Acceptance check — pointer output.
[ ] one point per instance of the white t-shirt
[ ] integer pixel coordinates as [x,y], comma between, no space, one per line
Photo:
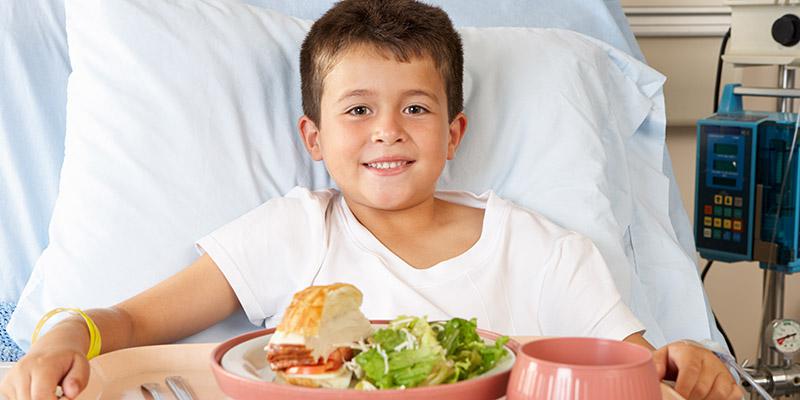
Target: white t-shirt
[524,275]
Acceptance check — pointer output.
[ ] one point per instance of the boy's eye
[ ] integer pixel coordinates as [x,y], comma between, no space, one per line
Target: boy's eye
[415,109]
[358,110]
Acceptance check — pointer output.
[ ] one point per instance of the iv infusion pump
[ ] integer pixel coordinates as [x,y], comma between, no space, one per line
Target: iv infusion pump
[741,164]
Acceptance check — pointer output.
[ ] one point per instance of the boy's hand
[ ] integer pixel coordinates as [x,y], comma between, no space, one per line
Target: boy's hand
[37,374]
[697,372]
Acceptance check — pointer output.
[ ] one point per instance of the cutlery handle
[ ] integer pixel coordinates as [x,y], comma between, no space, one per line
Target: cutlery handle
[179,387]
[152,389]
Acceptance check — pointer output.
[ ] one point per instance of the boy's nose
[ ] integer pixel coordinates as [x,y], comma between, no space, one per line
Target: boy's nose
[388,131]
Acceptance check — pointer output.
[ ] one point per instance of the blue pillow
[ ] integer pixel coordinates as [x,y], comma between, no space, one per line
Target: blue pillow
[33,95]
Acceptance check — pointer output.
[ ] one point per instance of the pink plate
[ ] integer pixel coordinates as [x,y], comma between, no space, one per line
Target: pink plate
[117,375]
[243,380]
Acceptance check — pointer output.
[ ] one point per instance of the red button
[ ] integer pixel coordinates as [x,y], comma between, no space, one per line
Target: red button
[708,210]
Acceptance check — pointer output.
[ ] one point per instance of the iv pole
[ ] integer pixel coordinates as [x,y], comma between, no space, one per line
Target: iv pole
[775,281]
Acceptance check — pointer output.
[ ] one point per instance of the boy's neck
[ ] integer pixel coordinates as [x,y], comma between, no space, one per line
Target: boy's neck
[425,234]
[417,218]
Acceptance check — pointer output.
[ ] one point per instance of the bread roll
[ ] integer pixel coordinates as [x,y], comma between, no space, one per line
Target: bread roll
[323,318]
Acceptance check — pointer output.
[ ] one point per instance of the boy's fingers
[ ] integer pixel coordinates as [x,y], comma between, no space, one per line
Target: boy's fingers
[689,370]
[76,378]
[5,389]
[660,360]
[736,392]
[720,388]
[43,384]
[23,388]
[4,383]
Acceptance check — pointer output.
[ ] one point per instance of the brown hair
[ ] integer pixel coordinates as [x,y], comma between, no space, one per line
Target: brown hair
[405,28]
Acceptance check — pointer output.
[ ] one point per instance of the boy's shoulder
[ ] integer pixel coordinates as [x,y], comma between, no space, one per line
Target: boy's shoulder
[520,217]
[298,202]
[302,197]
[304,193]
[504,212]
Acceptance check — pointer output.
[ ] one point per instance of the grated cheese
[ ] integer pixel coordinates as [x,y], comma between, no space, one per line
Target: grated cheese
[355,368]
[409,343]
[385,359]
[401,321]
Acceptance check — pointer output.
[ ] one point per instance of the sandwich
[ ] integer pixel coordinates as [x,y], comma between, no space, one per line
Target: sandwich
[315,337]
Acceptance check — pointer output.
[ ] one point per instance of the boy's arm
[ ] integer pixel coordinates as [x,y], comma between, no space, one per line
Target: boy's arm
[697,372]
[186,303]
[638,338]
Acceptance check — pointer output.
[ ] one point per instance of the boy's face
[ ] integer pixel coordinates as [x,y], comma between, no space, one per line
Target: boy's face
[384,132]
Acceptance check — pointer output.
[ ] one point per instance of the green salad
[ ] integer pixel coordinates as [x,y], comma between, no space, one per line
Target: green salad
[412,352]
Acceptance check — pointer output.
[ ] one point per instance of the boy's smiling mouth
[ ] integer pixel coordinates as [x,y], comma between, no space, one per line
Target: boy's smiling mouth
[388,165]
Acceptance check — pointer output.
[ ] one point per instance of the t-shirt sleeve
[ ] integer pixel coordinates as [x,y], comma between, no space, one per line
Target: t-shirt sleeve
[272,251]
[578,296]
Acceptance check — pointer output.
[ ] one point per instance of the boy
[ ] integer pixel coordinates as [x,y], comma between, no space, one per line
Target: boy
[381,84]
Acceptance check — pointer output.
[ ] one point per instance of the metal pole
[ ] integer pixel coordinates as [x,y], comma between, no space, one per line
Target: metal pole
[787,105]
[778,279]
[773,309]
[785,81]
[774,281]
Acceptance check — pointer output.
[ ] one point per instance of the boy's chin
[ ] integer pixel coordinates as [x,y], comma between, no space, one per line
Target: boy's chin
[391,200]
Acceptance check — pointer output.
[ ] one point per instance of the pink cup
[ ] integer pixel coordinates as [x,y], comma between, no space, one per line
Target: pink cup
[583,369]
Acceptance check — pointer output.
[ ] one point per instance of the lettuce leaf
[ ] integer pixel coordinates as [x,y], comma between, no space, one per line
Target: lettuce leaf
[469,353]
[411,352]
[405,368]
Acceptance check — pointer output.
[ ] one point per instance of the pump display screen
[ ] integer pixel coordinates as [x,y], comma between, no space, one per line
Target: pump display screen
[726,149]
[719,181]
[725,165]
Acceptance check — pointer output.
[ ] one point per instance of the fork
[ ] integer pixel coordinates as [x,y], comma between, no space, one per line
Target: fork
[180,388]
[151,388]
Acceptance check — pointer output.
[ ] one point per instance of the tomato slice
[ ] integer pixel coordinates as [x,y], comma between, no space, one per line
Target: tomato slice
[307,369]
[341,354]
[335,361]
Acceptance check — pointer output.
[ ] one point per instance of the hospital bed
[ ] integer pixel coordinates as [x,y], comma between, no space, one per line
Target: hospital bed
[656,268]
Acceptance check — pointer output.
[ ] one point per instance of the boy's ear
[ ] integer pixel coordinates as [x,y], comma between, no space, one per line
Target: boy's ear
[310,135]
[458,127]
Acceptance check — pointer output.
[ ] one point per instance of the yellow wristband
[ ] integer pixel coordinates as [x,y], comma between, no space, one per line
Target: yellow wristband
[94,333]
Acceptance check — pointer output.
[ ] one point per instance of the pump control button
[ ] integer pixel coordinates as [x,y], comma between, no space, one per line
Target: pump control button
[786,30]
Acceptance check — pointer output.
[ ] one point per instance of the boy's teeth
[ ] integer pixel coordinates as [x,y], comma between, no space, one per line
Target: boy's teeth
[388,165]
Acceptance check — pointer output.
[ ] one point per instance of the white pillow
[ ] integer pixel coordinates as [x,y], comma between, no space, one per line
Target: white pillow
[180,120]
